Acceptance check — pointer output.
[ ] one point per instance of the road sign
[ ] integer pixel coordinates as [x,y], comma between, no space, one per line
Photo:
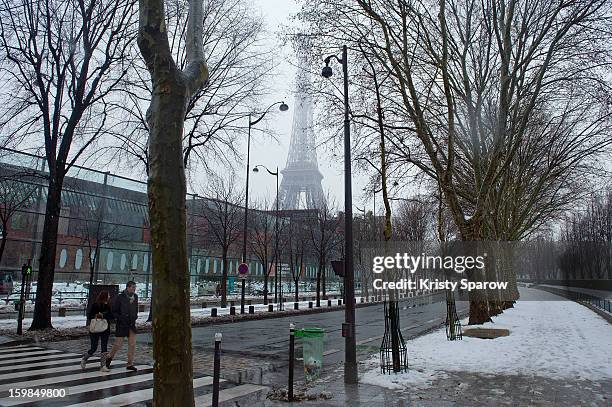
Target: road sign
[243,270]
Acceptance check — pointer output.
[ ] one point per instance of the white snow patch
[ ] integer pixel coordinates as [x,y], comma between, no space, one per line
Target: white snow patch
[553,339]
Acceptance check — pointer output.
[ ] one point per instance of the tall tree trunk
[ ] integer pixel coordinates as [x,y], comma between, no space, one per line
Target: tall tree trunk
[319,273]
[224,277]
[4,237]
[323,283]
[48,251]
[167,189]
[172,89]
[479,305]
[265,299]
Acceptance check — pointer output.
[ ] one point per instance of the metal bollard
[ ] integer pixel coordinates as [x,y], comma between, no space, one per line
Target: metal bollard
[232,310]
[216,370]
[291,360]
[309,304]
[361,300]
[213,312]
[329,303]
[339,302]
[251,309]
[296,305]
[270,307]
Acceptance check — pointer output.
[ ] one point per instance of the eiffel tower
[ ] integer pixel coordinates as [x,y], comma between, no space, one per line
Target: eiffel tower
[300,187]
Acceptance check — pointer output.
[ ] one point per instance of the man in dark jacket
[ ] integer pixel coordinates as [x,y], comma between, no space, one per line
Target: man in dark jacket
[125,311]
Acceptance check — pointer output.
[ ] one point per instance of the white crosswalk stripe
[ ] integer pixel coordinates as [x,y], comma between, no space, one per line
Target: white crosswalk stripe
[14,355]
[139,396]
[17,348]
[34,367]
[38,358]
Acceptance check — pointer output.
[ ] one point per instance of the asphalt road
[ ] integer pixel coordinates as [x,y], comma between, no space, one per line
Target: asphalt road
[269,338]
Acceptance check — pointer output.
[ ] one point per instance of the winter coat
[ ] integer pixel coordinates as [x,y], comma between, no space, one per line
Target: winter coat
[106,312]
[125,314]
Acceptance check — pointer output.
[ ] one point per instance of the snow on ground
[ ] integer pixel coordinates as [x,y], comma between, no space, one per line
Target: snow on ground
[72,295]
[553,339]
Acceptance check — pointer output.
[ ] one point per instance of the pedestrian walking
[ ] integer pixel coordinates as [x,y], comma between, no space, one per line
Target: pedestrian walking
[125,312]
[99,316]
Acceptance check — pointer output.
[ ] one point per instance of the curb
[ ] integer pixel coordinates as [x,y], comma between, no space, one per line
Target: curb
[603,314]
[16,341]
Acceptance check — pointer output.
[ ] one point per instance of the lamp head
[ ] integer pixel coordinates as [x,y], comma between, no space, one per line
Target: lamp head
[283,107]
[327,72]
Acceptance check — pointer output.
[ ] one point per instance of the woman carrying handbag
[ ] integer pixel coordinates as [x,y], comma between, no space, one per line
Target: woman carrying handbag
[99,317]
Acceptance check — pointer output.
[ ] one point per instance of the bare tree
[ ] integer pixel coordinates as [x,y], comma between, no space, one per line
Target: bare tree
[262,237]
[415,220]
[324,238]
[296,236]
[224,215]
[94,234]
[63,60]
[171,91]
[238,65]
[460,88]
[16,194]
[587,240]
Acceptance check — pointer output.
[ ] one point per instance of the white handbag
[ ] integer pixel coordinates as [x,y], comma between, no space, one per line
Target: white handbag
[98,325]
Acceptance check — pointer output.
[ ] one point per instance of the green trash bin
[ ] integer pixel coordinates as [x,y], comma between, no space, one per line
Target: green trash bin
[312,351]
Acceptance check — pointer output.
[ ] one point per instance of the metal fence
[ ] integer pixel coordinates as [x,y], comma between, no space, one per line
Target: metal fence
[104,230]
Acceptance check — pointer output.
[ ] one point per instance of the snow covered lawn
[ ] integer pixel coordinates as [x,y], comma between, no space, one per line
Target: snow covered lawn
[553,339]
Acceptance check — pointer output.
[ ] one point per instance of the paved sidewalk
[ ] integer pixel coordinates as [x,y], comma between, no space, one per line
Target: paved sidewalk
[5,339]
[463,389]
[236,368]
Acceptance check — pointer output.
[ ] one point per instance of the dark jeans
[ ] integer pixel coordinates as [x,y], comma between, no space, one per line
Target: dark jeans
[94,342]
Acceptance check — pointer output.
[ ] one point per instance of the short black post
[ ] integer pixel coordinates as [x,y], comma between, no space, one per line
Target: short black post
[232,310]
[291,360]
[251,309]
[339,302]
[204,305]
[296,305]
[21,308]
[213,312]
[309,304]
[329,303]
[216,370]
[270,307]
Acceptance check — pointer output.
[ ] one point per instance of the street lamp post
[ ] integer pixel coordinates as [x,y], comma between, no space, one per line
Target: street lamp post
[348,327]
[256,169]
[283,108]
